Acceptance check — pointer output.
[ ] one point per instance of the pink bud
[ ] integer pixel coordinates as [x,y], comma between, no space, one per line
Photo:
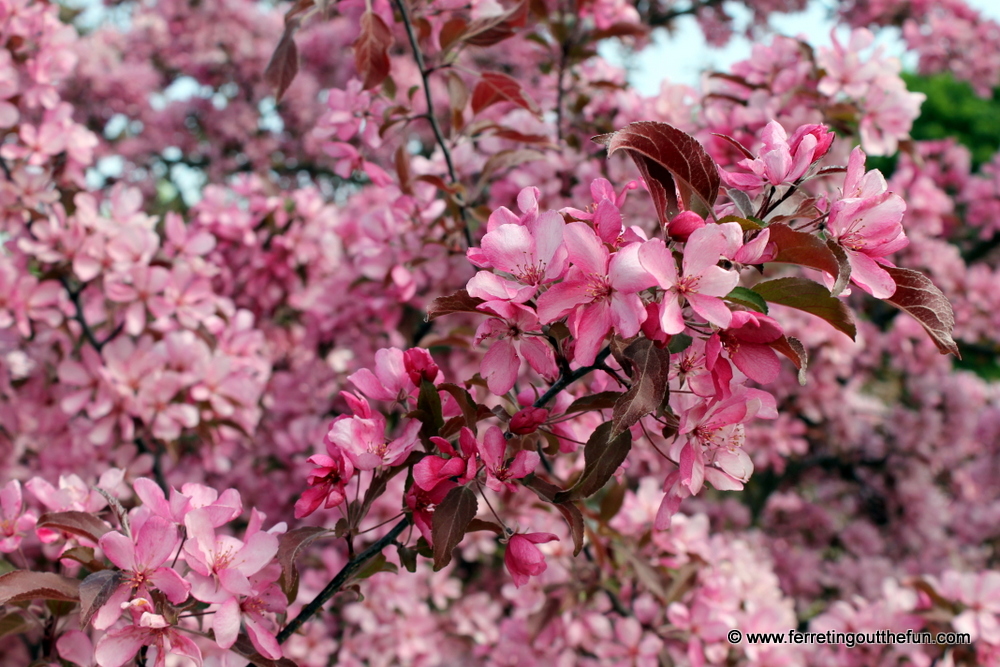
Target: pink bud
[419,365]
[684,224]
[528,420]
[523,559]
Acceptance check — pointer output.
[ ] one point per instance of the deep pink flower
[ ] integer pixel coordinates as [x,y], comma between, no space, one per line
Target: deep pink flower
[460,467]
[499,469]
[327,481]
[523,559]
[599,292]
[527,420]
[747,340]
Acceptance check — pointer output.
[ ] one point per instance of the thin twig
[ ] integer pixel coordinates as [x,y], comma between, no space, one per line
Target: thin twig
[435,126]
[340,579]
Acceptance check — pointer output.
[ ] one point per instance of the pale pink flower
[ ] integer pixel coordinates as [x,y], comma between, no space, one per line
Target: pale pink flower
[119,646]
[142,558]
[514,333]
[702,281]
[222,564]
[599,292]
[362,438]
[14,522]
[867,223]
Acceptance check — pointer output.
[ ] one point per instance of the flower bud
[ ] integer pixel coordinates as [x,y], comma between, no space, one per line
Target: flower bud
[419,365]
[528,420]
[684,224]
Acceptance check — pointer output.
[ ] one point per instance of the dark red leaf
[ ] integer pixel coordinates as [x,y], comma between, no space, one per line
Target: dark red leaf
[451,32]
[811,297]
[284,63]
[602,455]
[495,87]
[450,521]
[459,302]
[22,586]
[917,295]
[672,162]
[794,350]
[245,648]
[83,524]
[809,250]
[495,29]
[371,50]
[96,590]
[289,545]
[574,518]
[650,368]
[604,400]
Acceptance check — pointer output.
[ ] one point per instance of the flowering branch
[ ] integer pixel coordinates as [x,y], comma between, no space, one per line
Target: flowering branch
[435,126]
[566,379]
[341,578]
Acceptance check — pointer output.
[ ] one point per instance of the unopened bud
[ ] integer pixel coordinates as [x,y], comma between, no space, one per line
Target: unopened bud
[419,365]
[528,420]
[682,226]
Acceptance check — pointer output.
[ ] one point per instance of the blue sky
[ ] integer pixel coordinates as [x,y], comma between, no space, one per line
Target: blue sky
[684,55]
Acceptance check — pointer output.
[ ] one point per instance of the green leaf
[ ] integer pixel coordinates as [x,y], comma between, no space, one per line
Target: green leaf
[678,343]
[749,298]
[811,297]
[602,455]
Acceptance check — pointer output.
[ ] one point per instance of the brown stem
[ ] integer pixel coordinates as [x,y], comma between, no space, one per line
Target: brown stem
[341,578]
[435,126]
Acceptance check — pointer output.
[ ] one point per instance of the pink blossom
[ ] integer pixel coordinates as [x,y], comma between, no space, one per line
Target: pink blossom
[362,438]
[142,559]
[119,646]
[527,420]
[499,469]
[532,254]
[599,292]
[390,381]
[747,341]
[460,467]
[523,559]
[781,160]
[866,223]
[222,564]
[14,522]
[327,482]
[701,283]
[515,332]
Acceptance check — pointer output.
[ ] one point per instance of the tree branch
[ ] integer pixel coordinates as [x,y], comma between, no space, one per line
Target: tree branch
[341,578]
[566,379]
[435,126]
[88,333]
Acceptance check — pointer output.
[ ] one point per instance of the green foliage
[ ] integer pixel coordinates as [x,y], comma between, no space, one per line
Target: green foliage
[952,109]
